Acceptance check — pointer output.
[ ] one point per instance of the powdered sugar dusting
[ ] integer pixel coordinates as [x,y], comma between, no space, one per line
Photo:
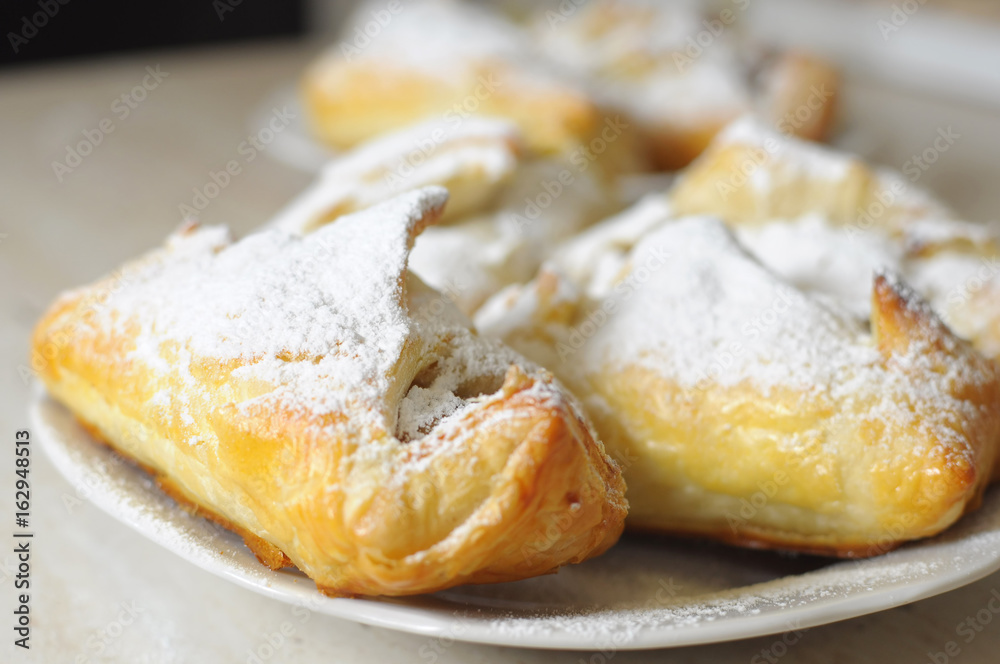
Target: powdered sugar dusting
[447,40]
[950,262]
[627,621]
[645,592]
[703,311]
[435,152]
[635,55]
[810,160]
[596,257]
[816,256]
[329,326]
[444,34]
[422,408]
[506,242]
[696,296]
[691,305]
[305,317]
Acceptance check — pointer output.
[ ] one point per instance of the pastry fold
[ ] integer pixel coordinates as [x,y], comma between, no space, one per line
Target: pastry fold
[682,72]
[824,219]
[626,81]
[312,394]
[747,410]
[509,207]
[444,59]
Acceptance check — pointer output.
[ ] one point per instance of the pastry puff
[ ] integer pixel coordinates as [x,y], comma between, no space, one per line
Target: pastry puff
[748,411]
[474,160]
[753,175]
[314,396]
[451,60]
[682,73]
[824,219]
[508,206]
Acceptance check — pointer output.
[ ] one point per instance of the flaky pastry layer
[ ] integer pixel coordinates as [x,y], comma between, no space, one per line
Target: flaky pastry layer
[393,456]
[745,410]
[761,181]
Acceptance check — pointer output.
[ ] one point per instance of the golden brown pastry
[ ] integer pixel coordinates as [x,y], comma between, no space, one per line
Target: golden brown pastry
[635,83]
[303,391]
[513,205]
[753,175]
[682,73]
[747,410]
[800,95]
[453,61]
[824,220]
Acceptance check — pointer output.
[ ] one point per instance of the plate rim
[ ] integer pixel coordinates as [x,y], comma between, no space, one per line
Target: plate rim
[423,621]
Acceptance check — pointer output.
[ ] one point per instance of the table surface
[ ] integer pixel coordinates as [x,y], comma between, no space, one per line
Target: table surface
[125,197]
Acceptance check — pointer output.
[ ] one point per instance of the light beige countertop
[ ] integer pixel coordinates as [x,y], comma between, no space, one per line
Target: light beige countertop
[124,198]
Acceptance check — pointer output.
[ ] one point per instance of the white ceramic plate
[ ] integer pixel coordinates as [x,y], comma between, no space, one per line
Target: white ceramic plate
[644,593]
